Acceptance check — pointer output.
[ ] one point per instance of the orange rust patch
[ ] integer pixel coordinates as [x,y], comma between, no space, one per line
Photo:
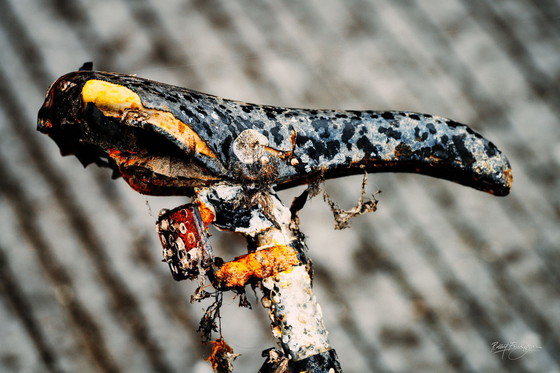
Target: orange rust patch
[46,124]
[260,264]
[140,184]
[220,355]
[121,159]
[509,177]
[206,213]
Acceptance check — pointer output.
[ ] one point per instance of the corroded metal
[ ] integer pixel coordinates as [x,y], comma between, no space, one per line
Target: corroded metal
[186,247]
[277,362]
[167,140]
[297,319]
[276,263]
[258,265]
[232,157]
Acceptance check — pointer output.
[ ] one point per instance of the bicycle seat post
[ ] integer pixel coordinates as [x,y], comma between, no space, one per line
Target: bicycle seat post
[280,269]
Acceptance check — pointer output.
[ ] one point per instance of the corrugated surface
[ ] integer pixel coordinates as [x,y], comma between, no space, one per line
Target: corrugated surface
[425,284]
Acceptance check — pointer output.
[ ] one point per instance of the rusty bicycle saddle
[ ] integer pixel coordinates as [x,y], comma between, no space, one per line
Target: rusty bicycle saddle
[167,140]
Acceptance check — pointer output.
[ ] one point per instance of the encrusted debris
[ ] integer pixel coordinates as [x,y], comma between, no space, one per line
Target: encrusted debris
[276,362]
[342,217]
[297,319]
[255,266]
[186,248]
[222,356]
[211,320]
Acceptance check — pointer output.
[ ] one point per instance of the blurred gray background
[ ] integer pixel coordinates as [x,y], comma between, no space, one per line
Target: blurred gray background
[426,284]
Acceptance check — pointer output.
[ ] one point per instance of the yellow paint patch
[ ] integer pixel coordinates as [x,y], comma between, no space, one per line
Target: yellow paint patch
[106,95]
[117,101]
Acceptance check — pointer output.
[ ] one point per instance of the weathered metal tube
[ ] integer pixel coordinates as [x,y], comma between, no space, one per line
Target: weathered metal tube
[296,317]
